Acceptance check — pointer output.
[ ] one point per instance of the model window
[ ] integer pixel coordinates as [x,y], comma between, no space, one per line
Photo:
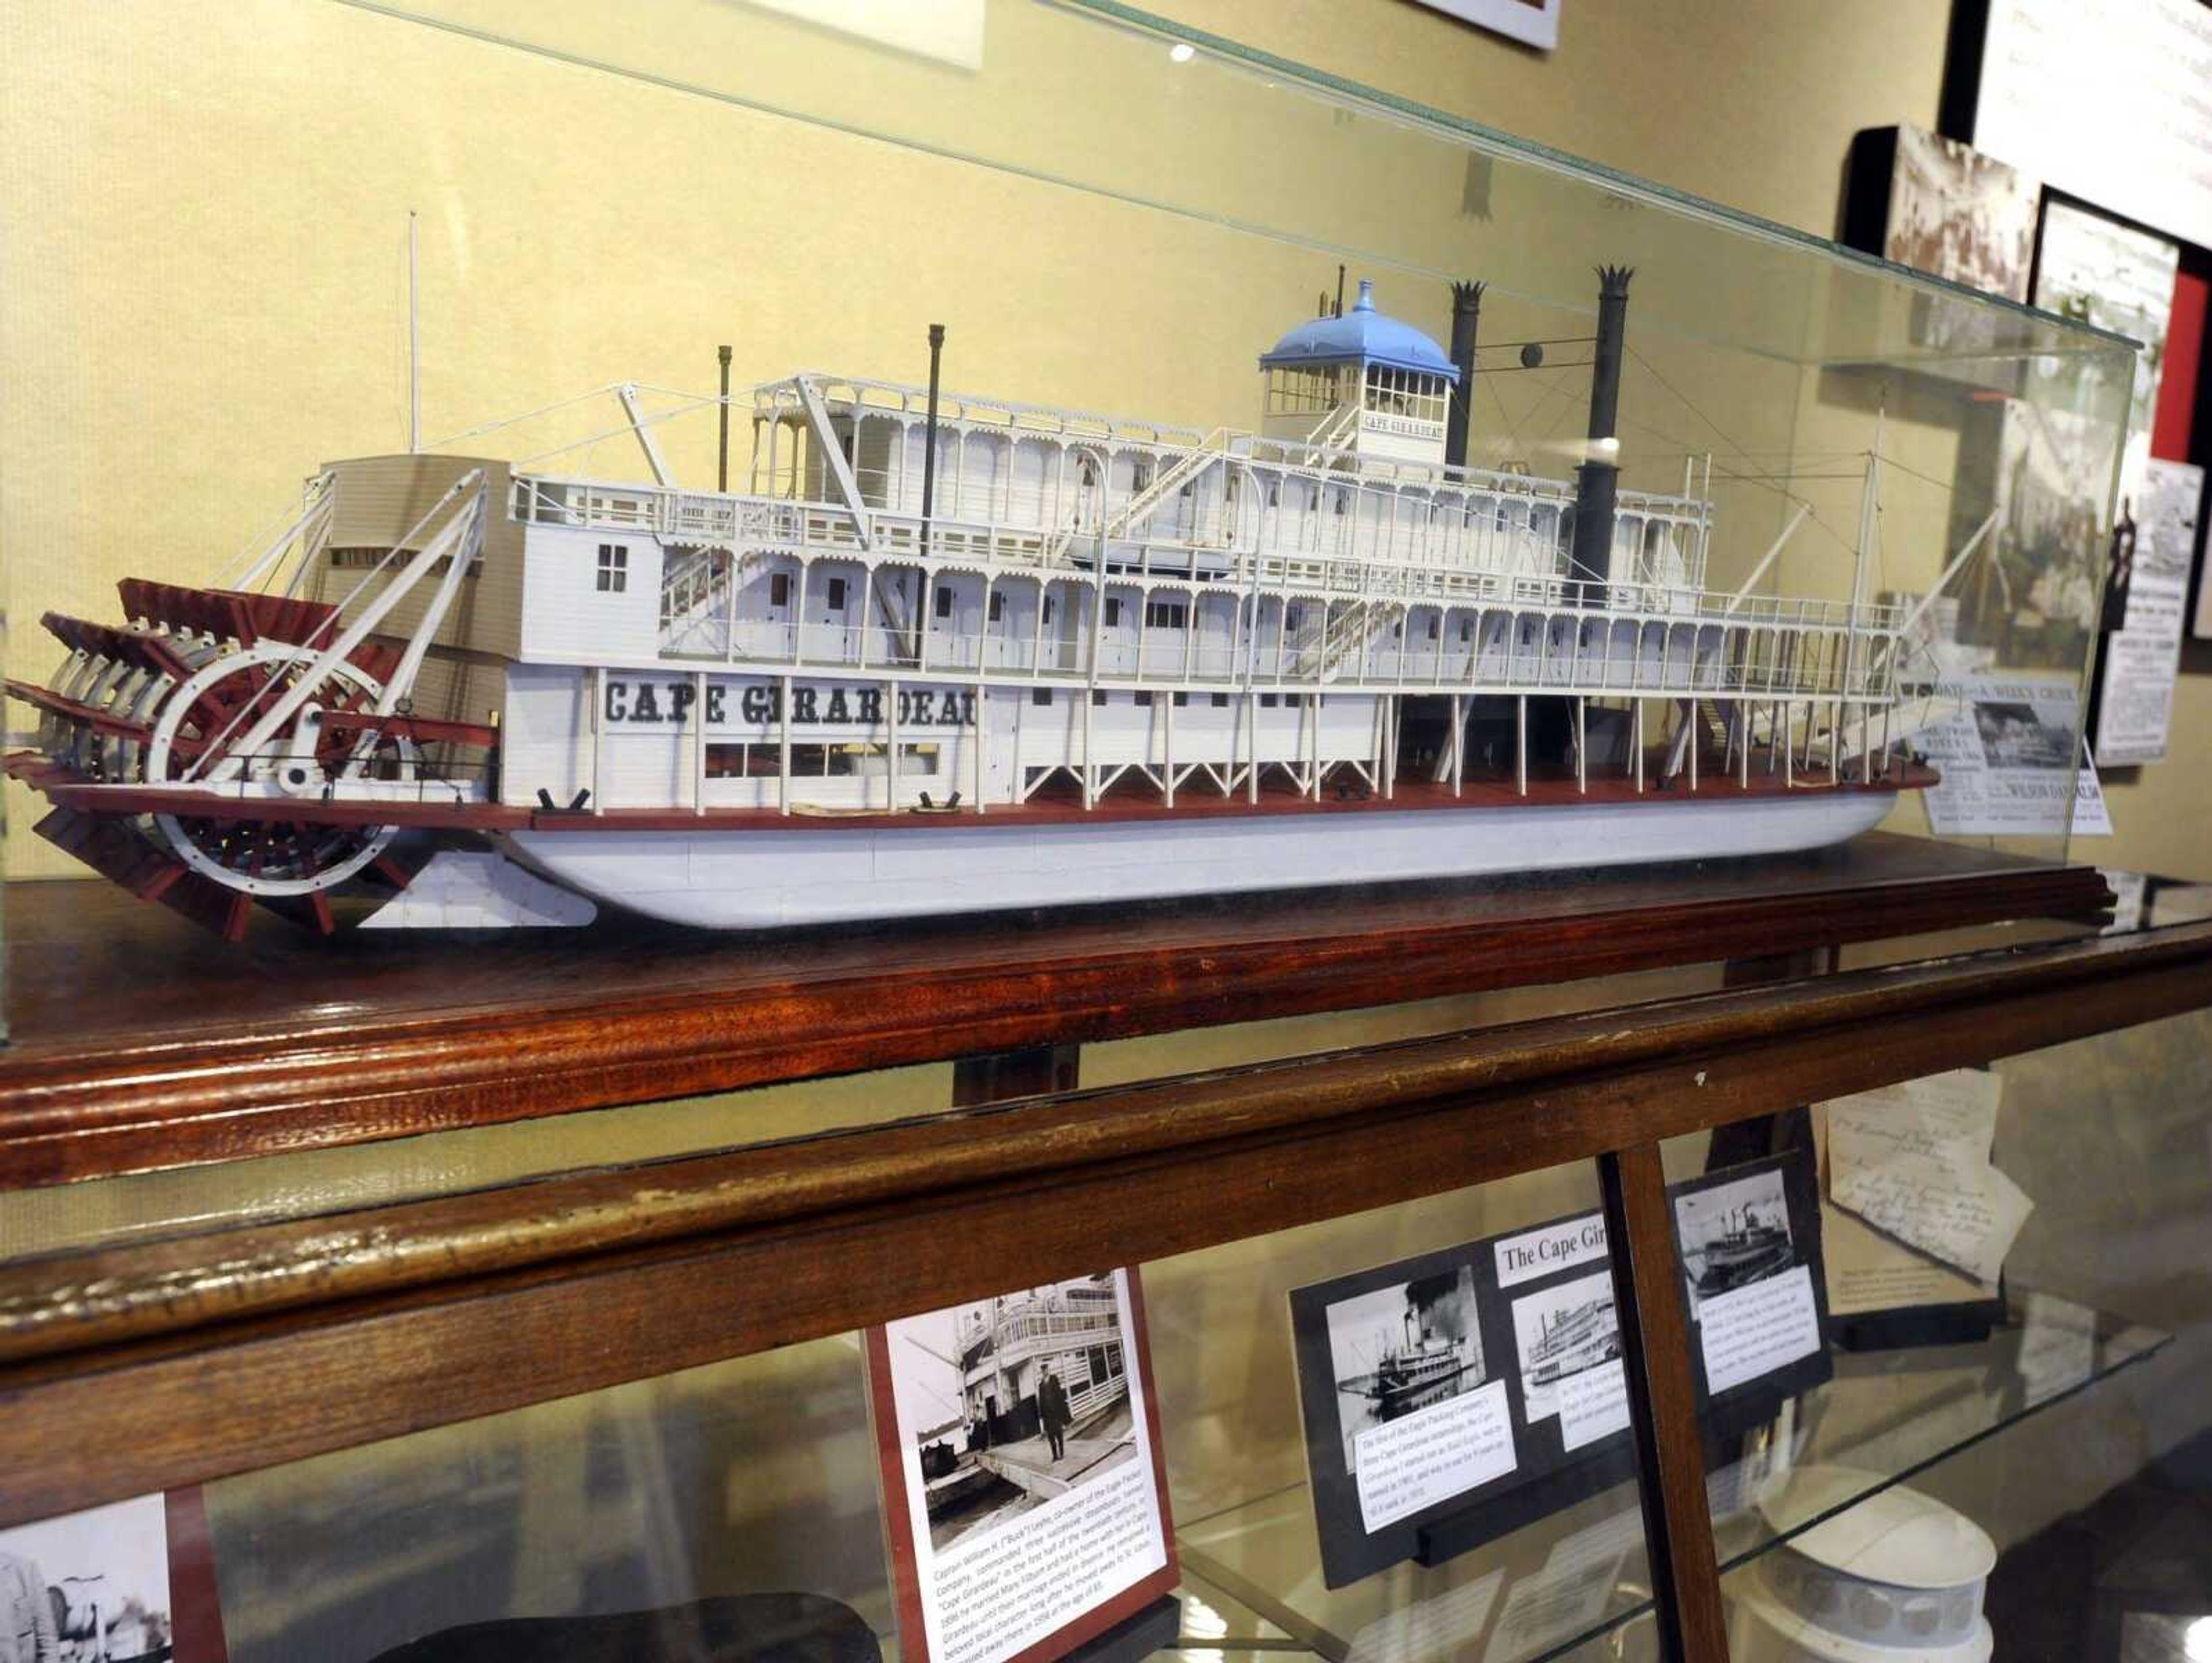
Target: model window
[1293,700]
[1467,629]
[1143,698]
[1181,699]
[1165,614]
[1292,618]
[1113,612]
[1140,476]
[1434,625]
[1274,496]
[1098,1361]
[837,594]
[918,759]
[1269,702]
[1086,472]
[1097,695]
[943,600]
[1040,696]
[1047,609]
[614,568]
[779,589]
[997,607]
[1221,701]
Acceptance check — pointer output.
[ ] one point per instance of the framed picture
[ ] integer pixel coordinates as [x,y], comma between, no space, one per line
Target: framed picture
[1021,1459]
[1536,22]
[132,1580]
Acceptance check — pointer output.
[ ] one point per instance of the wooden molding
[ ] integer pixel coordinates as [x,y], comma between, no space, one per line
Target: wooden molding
[139,1045]
[216,1354]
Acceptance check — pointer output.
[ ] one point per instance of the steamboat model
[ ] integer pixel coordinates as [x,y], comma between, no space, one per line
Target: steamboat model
[945,654]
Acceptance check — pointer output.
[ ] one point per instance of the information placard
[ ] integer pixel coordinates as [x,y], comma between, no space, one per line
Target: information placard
[1022,1484]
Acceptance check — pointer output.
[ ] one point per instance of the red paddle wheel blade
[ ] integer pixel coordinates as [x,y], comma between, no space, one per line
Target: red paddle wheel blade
[112,846]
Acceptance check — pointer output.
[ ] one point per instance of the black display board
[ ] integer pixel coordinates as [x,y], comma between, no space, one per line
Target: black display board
[1412,1369]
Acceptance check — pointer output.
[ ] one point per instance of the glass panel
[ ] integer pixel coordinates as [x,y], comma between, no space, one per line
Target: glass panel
[2027,1440]
[1325,1397]
[629,589]
[1554,1552]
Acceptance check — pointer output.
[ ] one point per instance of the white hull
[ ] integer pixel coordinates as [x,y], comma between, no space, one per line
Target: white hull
[815,874]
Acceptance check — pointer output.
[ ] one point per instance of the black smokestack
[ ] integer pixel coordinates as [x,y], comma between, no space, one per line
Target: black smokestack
[1598,480]
[1467,309]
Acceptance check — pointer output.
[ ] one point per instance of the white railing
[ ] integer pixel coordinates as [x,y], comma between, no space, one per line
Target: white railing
[1681,659]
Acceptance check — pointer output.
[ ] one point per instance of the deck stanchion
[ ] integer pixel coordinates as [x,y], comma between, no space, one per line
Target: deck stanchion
[1520,744]
[598,724]
[783,746]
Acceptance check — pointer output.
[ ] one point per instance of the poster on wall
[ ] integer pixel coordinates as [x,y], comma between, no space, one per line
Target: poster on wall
[2040,593]
[1939,206]
[2100,272]
[2140,664]
[1452,1396]
[2104,98]
[1536,22]
[1942,207]
[2005,755]
[1019,1452]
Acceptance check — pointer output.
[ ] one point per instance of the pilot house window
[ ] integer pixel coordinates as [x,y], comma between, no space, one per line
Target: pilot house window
[614,568]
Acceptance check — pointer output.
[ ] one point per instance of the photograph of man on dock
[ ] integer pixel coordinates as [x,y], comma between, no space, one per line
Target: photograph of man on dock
[1011,1430]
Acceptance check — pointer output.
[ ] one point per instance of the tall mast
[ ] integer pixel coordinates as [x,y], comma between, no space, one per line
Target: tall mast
[1869,505]
[414,348]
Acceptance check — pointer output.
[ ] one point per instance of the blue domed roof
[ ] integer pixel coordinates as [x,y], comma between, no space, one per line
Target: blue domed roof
[1362,333]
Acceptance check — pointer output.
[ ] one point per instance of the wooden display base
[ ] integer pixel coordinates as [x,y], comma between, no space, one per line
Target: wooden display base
[142,1043]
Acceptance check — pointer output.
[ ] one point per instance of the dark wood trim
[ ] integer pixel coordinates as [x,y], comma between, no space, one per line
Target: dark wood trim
[121,1063]
[1663,1397]
[301,1338]
[103,1297]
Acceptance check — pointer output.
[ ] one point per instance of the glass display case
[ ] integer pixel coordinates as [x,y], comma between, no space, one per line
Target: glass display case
[779,718]
[1048,456]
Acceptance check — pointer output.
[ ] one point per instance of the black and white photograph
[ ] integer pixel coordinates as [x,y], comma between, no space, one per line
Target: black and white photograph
[2043,588]
[1015,1401]
[89,1588]
[1734,1235]
[2014,737]
[2099,271]
[1402,1348]
[1560,1331]
[1961,214]
[1019,1449]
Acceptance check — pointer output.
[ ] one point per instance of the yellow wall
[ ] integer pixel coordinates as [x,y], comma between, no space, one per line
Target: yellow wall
[204,240]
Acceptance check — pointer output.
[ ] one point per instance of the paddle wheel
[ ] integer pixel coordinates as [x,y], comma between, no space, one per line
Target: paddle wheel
[225,747]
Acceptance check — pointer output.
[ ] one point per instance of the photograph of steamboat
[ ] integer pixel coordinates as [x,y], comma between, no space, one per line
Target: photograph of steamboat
[944,653]
[1402,1349]
[1562,1331]
[1031,1398]
[1734,1235]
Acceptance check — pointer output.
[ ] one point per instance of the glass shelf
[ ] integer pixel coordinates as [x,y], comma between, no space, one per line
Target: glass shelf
[1580,1574]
